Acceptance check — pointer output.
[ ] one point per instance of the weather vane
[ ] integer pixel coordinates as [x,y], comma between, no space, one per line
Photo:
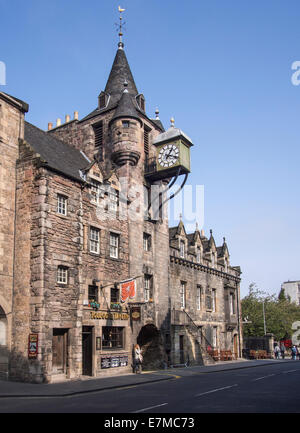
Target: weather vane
[121,26]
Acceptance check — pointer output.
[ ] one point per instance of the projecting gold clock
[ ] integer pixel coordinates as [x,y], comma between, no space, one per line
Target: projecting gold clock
[172,155]
[168,155]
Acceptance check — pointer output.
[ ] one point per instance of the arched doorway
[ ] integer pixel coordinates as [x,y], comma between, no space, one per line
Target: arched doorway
[3,344]
[151,343]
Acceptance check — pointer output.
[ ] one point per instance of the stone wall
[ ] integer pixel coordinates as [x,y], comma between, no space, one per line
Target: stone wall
[11,130]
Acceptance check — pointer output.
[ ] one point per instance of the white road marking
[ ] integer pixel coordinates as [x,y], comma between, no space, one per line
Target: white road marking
[289,371]
[263,377]
[216,390]
[149,408]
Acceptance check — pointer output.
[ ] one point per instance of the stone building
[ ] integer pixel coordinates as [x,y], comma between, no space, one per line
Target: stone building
[77,219]
[292,290]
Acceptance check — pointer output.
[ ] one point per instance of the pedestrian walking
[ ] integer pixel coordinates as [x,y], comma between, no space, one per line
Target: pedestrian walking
[294,352]
[282,350]
[138,359]
[277,351]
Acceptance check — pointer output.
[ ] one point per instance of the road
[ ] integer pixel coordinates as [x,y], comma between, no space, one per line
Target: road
[264,389]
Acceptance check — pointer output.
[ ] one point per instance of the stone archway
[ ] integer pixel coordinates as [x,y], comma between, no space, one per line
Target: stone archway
[151,343]
[3,344]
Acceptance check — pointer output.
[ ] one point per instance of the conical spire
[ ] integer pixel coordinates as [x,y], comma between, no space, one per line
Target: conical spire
[120,72]
[126,106]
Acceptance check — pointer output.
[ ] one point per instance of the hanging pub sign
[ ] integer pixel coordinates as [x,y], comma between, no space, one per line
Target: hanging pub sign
[136,314]
[128,289]
[33,346]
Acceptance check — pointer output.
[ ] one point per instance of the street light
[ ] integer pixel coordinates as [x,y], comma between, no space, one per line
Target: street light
[264,316]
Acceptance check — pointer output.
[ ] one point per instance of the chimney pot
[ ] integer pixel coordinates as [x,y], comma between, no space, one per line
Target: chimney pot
[50,126]
[67,118]
[58,122]
[75,115]
[202,233]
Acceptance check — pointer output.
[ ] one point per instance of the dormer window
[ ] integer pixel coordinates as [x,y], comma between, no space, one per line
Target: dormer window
[198,258]
[182,249]
[103,100]
[213,260]
[226,265]
[95,191]
[141,102]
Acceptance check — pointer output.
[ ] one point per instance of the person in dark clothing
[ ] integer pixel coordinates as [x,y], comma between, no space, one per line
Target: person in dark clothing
[282,350]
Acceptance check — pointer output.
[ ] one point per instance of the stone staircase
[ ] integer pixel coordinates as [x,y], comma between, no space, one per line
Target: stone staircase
[182,318]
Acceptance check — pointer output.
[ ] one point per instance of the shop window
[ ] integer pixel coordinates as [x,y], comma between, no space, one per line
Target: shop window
[112,337]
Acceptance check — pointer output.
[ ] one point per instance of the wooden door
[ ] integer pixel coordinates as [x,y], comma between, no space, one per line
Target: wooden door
[87,350]
[59,347]
[181,348]
[235,346]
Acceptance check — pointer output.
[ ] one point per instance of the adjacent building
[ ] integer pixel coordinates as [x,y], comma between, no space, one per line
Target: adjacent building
[292,290]
[82,211]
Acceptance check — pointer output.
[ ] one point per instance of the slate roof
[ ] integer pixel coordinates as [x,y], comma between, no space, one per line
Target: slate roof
[172,232]
[171,134]
[57,155]
[121,72]
[126,107]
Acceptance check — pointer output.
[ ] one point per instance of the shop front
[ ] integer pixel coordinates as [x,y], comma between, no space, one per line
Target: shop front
[106,343]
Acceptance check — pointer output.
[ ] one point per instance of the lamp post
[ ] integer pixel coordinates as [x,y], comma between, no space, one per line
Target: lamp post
[264,316]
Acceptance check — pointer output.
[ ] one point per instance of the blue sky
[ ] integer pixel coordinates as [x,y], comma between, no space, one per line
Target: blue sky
[221,68]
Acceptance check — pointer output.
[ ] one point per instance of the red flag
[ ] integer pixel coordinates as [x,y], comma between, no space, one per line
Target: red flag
[127,290]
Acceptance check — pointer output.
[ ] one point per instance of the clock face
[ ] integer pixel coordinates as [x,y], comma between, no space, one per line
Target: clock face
[168,155]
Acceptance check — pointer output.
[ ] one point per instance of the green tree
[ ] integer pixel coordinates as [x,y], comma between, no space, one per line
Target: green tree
[280,314]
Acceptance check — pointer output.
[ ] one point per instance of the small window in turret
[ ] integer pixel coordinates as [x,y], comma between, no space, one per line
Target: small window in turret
[125,123]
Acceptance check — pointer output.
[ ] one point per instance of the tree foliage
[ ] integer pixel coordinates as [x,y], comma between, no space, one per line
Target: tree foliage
[280,314]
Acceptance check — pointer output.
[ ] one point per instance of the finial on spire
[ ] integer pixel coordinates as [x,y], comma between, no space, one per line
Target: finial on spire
[157,114]
[172,122]
[197,228]
[120,44]
[210,232]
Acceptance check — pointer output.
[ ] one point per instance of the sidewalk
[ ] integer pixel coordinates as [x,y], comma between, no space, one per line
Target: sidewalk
[68,388]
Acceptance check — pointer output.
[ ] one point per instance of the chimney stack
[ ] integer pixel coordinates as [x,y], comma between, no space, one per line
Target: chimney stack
[50,126]
[58,122]
[75,115]
[202,233]
[67,118]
